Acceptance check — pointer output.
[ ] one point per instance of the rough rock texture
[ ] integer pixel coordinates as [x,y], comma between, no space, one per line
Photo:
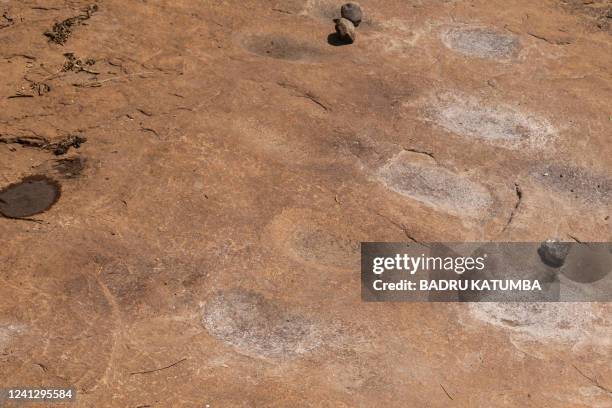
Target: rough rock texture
[231,150]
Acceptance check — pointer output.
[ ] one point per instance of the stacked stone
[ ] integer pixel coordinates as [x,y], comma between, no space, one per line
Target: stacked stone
[345,26]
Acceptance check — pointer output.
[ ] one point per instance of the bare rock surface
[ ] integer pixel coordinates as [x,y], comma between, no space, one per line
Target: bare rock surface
[204,249]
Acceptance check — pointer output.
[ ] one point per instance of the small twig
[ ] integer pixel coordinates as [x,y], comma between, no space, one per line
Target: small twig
[20,96]
[553,42]
[9,19]
[89,71]
[314,99]
[160,369]
[59,148]
[304,94]
[519,199]
[425,152]
[145,129]
[99,83]
[35,220]
[446,392]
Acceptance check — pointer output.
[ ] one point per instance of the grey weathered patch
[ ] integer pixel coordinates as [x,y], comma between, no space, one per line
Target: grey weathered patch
[434,186]
[7,331]
[561,322]
[480,42]
[579,183]
[32,195]
[499,124]
[257,326]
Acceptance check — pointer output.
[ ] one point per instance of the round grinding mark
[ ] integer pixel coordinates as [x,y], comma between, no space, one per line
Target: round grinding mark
[502,125]
[435,187]
[258,326]
[561,322]
[316,239]
[480,42]
[32,195]
[279,47]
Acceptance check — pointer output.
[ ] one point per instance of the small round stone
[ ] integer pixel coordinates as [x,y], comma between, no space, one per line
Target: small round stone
[553,252]
[345,30]
[352,12]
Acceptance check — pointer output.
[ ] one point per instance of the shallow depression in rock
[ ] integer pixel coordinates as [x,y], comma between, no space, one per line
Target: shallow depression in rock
[480,42]
[32,195]
[560,322]
[280,47]
[309,238]
[434,186]
[257,326]
[325,247]
[503,125]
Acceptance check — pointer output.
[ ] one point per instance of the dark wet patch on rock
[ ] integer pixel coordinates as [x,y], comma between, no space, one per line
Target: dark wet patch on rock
[481,42]
[279,47]
[257,326]
[434,186]
[32,195]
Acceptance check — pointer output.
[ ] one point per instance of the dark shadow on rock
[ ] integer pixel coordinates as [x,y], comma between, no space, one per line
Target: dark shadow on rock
[335,40]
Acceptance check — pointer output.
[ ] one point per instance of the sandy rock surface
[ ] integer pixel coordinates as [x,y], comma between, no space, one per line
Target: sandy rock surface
[204,250]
